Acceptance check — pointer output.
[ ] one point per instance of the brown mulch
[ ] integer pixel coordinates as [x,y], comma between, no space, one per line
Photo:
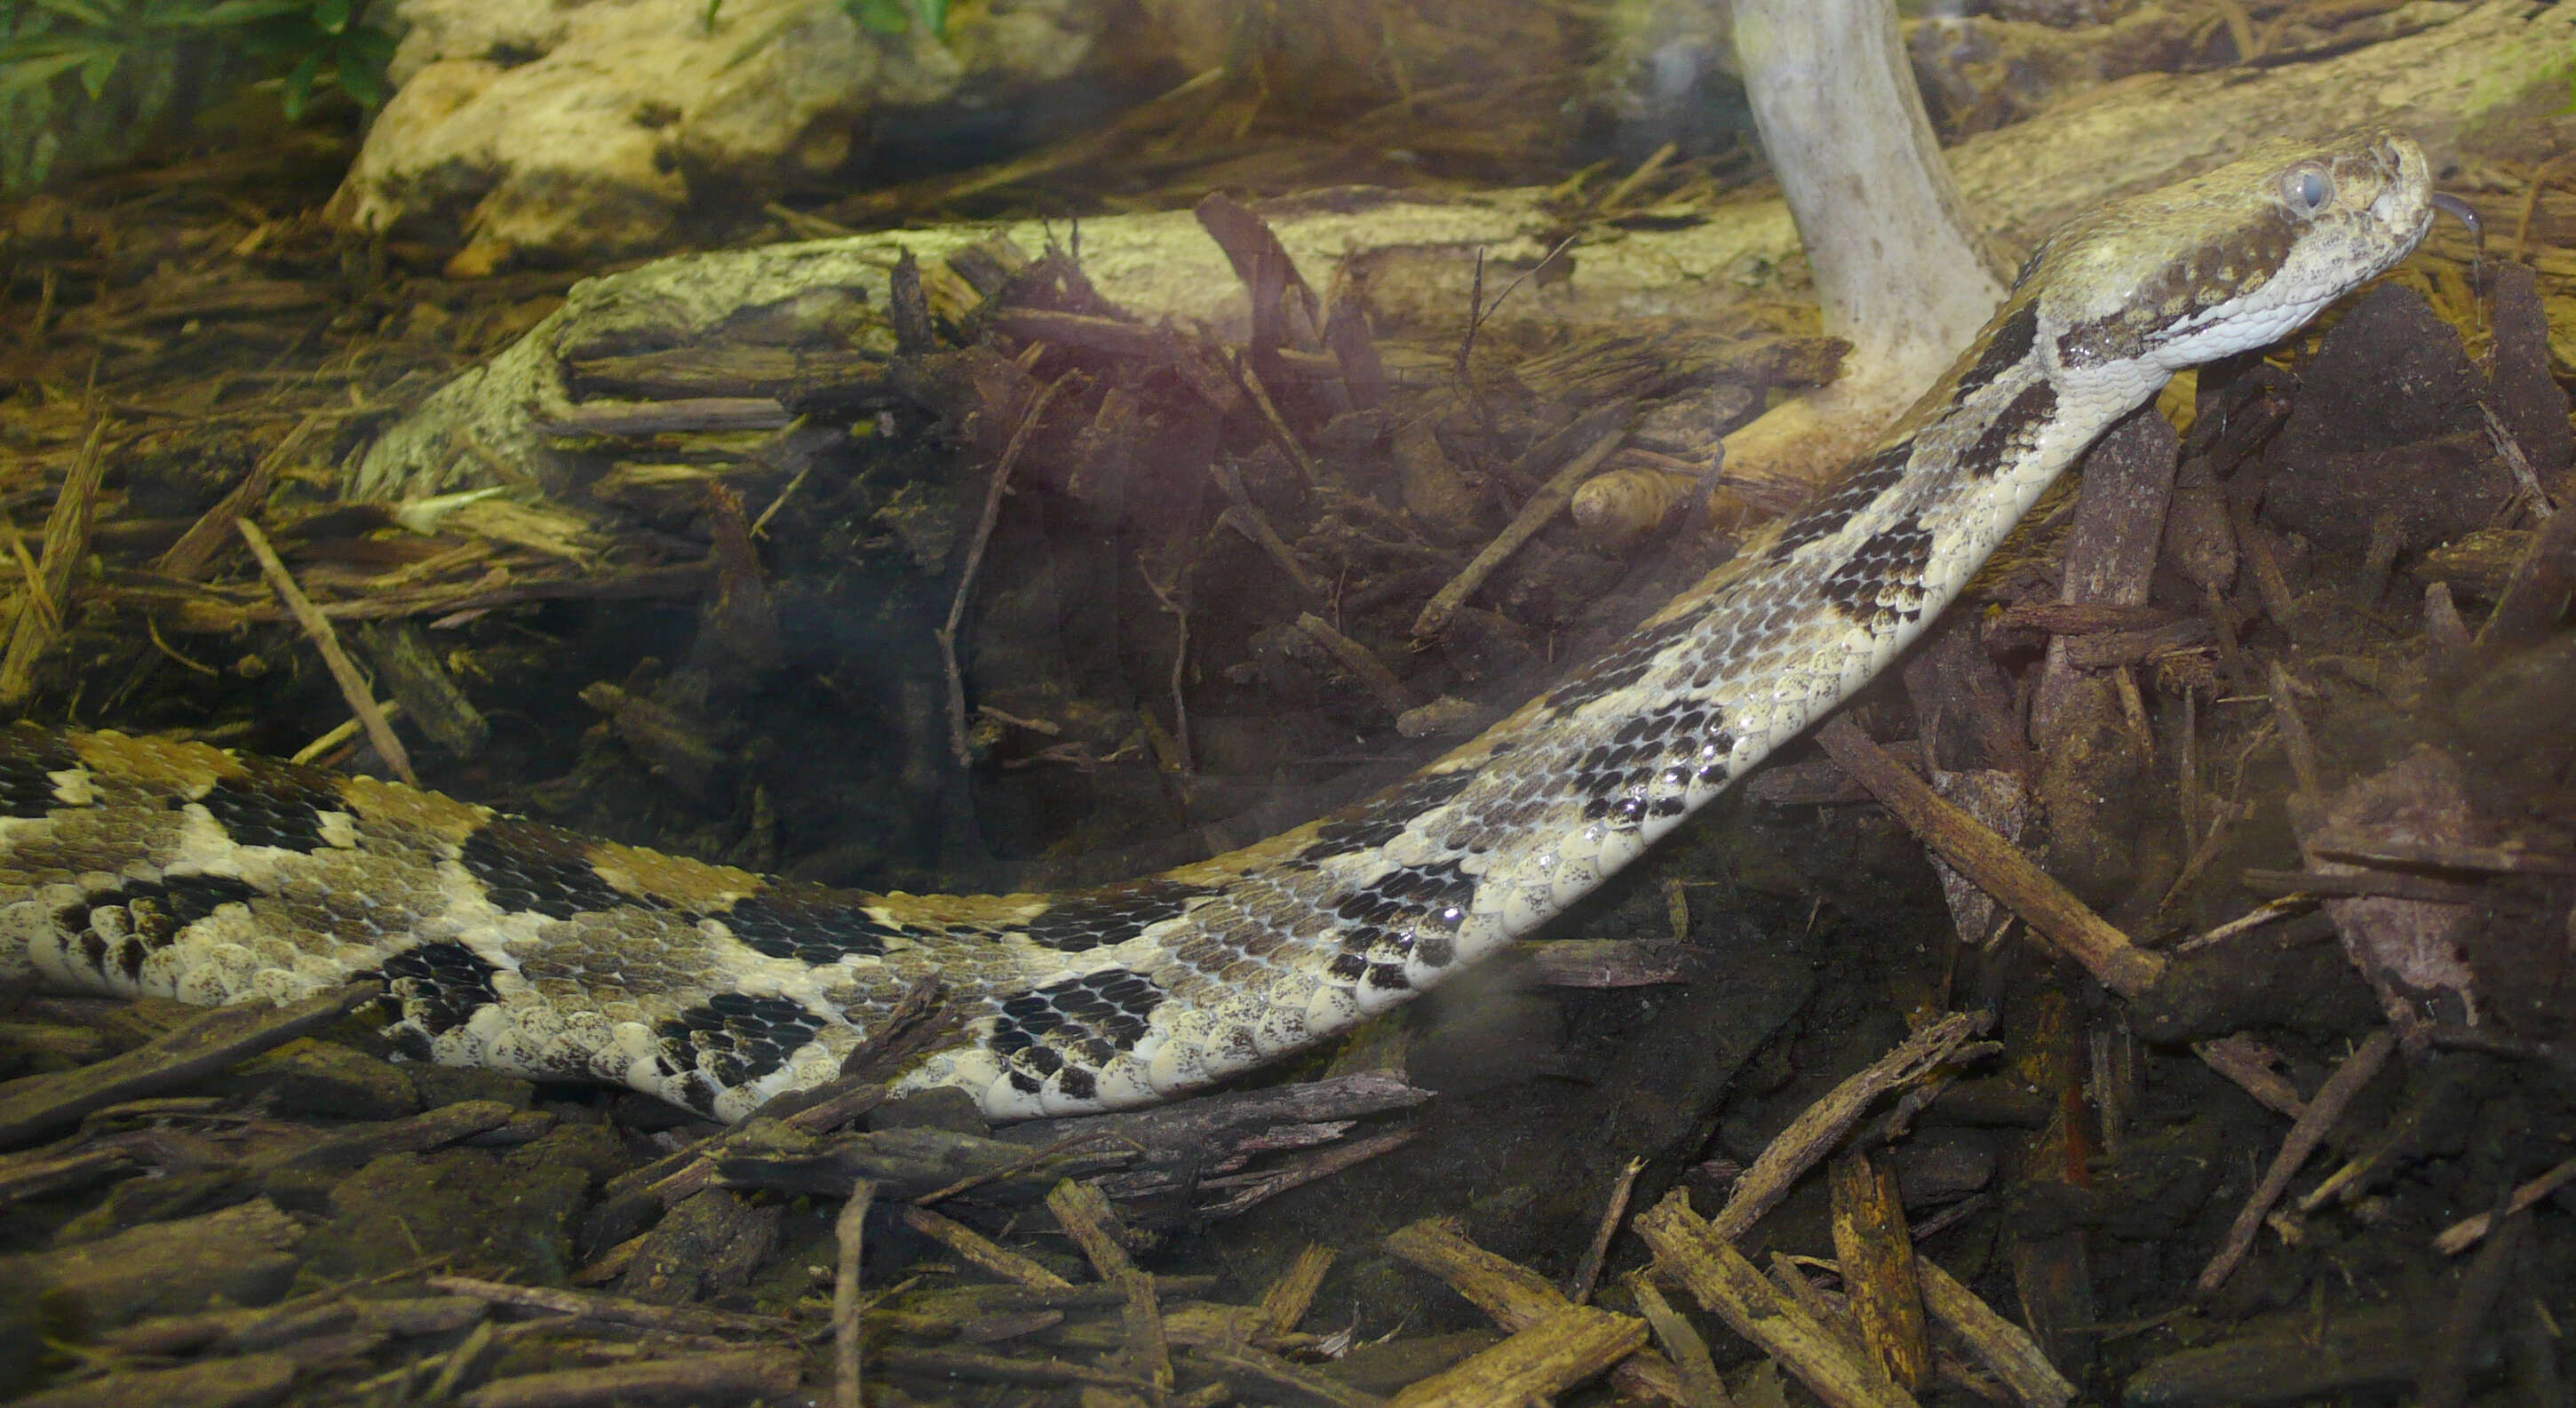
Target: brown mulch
[2306,751]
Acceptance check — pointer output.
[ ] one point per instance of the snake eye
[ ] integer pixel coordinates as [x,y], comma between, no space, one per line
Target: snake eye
[2307,187]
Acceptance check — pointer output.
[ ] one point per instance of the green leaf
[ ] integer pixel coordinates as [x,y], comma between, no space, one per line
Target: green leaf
[934,17]
[93,15]
[22,74]
[368,88]
[229,14]
[100,68]
[883,16]
[332,15]
[286,34]
[299,86]
[372,46]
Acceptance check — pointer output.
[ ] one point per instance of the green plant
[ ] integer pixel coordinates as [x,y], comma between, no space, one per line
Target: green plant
[896,16]
[315,45]
[883,16]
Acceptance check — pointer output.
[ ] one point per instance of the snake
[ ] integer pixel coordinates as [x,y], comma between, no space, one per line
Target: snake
[141,865]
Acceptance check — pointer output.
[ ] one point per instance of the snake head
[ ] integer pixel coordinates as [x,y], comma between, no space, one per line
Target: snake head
[2233,259]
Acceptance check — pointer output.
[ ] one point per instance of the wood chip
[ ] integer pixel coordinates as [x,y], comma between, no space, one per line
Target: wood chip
[2461,1235]
[1699,1382]
[1878,1269]
[220,1383]
[1688,1249]
[1994,863]
[697,1379]
[1821,1126]
[1512,1294]
[2302,1140]
[1362,662]
[196,1048]
[2006,1349]
[1541,509]
[848,1242]
[604,1309]
[1556,1353]
[40,618]
[1289,1297]
[344,671]
[978,1249]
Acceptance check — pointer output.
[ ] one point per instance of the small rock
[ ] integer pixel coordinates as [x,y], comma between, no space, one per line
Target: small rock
[582,130]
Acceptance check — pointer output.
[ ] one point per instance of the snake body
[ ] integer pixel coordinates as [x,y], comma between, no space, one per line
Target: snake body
[133,865]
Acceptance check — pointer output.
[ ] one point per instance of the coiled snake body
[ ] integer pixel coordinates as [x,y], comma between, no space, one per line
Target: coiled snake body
[131,865]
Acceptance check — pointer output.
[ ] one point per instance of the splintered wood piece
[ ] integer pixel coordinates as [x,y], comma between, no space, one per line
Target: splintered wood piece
[248,1378]
[2536,593]
[1690,1251]
[1087,1218]
[633,419]
[2004,1348]
[188,558]
[1541,509]
[2251,1064]
[1289,1297]
[1148,1351]
[999,485]
[1246,518]
[1587,1273]
[1832,1312]
[1552,1355]
[696,1378]
[1994,863]
[846,1231]
[2304,1136]
[199,1047]
[945,1364]
[598,1308]
[1700,1385]
[1822,1125]
[1512,1294]
[344,671]
[1362,662]
[2111,550]
[49,585]
[1285,1380]
[979,1249]
[2461,1235]
[1878,1269]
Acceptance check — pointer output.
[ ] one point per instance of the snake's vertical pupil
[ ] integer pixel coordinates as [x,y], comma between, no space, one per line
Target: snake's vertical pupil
[2308,187]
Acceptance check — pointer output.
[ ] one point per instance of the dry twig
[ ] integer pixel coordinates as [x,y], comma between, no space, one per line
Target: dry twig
[846,1232]
[1542,508]
[1822,1125]
[2302,1140]
[344,671]
[49,586]
[976,545]
[1995,864]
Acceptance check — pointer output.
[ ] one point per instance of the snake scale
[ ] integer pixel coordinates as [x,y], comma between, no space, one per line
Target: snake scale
[134,865]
